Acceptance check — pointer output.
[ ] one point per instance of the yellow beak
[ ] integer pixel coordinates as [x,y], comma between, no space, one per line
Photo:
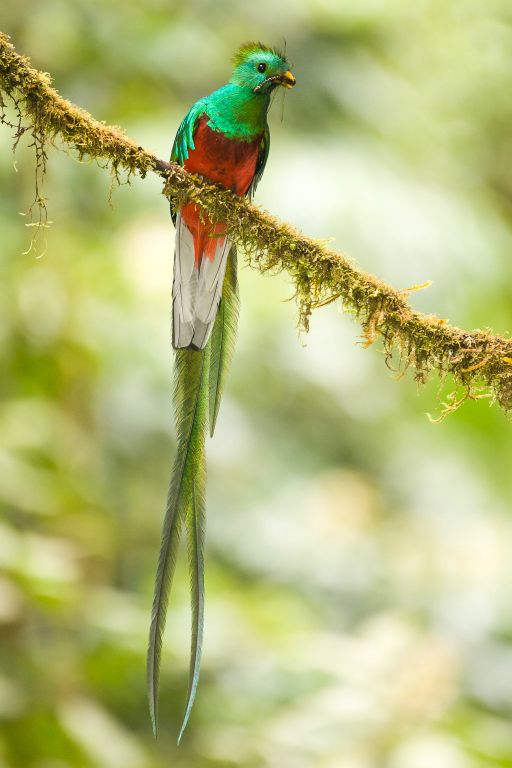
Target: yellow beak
[288,80]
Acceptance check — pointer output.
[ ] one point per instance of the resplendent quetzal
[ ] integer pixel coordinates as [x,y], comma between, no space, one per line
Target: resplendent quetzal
[224,137]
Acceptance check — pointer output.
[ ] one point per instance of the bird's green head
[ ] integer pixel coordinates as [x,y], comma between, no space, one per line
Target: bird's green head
[260,68]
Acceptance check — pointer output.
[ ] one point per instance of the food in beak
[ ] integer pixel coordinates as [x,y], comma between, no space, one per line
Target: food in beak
[288,80]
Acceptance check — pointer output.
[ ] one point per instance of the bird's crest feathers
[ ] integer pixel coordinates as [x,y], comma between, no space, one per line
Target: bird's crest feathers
[246,49]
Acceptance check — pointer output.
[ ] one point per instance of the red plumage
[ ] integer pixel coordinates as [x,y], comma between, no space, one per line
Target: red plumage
[229,162]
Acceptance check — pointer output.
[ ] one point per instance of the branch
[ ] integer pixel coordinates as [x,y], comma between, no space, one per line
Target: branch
[479,361]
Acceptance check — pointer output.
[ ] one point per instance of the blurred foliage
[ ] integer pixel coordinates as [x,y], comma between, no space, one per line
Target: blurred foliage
[358,567]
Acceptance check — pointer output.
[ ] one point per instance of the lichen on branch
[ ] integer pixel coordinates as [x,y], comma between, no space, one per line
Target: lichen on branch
[478,361]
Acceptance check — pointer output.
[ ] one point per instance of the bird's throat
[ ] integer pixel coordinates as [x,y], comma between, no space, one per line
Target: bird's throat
[237,112]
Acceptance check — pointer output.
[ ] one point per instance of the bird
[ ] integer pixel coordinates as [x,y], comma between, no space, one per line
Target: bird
[224,137]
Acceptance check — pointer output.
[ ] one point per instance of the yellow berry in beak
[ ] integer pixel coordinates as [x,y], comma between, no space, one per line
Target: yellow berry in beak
[288,80]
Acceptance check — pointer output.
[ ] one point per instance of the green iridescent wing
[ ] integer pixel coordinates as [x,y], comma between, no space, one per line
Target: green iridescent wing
[261,162]
[184,139]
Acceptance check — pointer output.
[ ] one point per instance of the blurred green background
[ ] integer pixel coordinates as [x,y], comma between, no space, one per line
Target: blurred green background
[359,605]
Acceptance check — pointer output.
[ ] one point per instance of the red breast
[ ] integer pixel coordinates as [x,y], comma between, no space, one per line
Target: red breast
[229,162]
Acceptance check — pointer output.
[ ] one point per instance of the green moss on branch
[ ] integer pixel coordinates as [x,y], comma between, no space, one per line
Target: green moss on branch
[475,359]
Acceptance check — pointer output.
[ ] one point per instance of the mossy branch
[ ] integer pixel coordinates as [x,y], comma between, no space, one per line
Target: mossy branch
[480,362]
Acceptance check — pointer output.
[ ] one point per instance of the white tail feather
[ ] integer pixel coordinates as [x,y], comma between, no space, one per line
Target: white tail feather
[196,293]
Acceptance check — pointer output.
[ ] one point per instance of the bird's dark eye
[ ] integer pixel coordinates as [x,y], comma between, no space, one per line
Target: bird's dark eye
[262,67]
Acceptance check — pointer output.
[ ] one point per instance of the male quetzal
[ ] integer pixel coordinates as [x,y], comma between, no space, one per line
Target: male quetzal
[224,137]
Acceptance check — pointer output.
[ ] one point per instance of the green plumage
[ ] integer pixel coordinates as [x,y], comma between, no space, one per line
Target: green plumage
[195,521]
[223,337]
[237,111]
[185,504]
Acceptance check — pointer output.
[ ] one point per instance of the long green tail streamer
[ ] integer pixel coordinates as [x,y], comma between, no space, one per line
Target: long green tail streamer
[185,503]
[223,337]
[200,378]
